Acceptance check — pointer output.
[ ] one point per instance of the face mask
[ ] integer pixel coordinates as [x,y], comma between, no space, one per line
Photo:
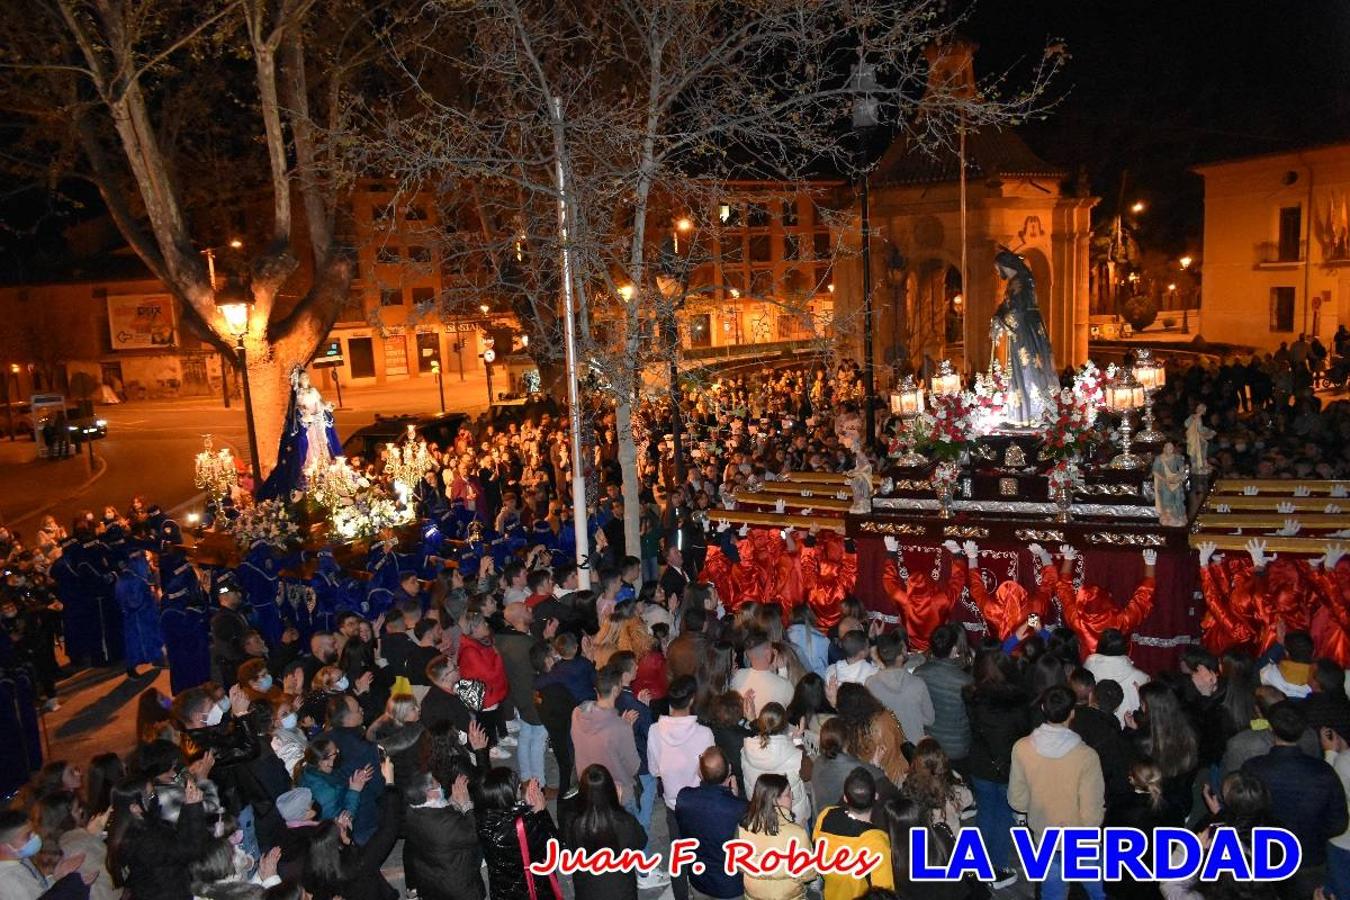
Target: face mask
[265,683]
[290,721]
[342,684]
[223,703]
[439,801]
[30,848]
[214,716]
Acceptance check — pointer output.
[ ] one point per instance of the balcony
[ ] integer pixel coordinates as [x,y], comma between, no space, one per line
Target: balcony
[1281,254]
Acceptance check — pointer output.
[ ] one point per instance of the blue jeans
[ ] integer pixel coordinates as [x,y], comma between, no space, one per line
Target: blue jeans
[1338,871]
[1056,888]
[648,800]
[994,819]
[530,751]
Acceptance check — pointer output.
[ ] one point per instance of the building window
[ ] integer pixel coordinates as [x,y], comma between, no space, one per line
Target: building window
[700,330]
[381,212]
[391,297]
[761,284]
[823,247]
[789,213]
[729,214]
[733,282]
[423,296]
[1291,234]
[415,214]
[732,253]
[1282,309]
[792,246]
[387,255]
[361,357]
[419,254]
[354,309]
[761,248]
[757,215]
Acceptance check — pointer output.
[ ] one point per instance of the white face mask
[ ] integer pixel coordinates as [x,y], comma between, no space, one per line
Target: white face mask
[290,721]
[342,684]
[214,716]
[439,801]
[223,703]
[265,684]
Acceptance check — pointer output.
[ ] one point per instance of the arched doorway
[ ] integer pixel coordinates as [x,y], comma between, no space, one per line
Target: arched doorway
[938,310]
[1040,271]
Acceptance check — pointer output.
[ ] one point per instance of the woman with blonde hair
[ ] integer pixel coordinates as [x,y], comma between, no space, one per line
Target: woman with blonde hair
[622,630]
[1143,808]
[773,750]
[768,825]
[400,735]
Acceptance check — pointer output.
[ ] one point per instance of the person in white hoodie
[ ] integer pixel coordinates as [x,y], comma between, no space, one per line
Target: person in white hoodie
[772,749]
[674,744]
[855,667]
[1111,662]
[1056,781]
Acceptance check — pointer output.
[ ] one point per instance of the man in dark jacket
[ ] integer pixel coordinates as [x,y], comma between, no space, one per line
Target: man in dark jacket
[1305,793]
[1096,723]
[947,680]
[346,730]
[711,813]
[228,630]
[554,703]
[513,644]
[230,736]
[441,854]
[442,704]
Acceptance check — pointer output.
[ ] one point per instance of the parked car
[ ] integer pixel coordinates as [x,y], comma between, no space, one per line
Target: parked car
[434,428]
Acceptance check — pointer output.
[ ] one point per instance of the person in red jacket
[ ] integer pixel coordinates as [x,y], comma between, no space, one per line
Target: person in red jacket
[1090,610]
[1009,607]
[922,603]
[480,661]
[829,571]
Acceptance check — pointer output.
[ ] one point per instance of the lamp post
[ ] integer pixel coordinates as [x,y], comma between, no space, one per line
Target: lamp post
[864,81]
[9,407]
[235,302]
[440,385]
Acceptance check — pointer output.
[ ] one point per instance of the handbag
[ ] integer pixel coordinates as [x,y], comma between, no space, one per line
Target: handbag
[471,692]
[525,860]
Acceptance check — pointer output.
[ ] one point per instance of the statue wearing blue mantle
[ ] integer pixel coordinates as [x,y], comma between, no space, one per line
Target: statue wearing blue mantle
[1030,364]
[308,441]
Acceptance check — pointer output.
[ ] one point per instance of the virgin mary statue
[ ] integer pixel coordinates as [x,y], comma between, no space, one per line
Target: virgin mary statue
[1030,365]
[308,440]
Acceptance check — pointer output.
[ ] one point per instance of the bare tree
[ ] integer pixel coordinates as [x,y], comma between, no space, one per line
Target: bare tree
[652,108]
[187,116]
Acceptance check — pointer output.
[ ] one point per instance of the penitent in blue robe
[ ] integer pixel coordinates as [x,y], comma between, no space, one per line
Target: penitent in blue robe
[141,637]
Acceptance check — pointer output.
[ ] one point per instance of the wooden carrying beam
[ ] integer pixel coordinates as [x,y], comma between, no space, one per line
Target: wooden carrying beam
[830,503]
[800,489]
[1268,520]
[1267,503]
[774,520]
[1276,485]
[1309,546]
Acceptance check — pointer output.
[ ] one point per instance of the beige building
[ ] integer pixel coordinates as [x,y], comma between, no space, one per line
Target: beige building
[1013,198]
[1277,247]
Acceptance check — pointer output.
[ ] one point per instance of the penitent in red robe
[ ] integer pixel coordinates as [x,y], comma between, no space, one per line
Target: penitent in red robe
[828,571]
[1090,610]
[1243,605]
[1229,609]
[923,603]
[1331,620]
[1009,606]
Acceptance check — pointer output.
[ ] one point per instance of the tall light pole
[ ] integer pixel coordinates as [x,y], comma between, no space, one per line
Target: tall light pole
[235,302]
[440,385]
[863,82]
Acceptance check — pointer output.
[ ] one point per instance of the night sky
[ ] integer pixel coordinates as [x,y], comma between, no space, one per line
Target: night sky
[1152,87]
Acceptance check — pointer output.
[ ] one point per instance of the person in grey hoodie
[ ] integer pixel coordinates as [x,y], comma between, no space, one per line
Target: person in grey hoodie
[601,736]
[946,677]
[899,689]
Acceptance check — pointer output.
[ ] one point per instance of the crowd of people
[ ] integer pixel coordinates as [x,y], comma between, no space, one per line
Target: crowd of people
[464,701]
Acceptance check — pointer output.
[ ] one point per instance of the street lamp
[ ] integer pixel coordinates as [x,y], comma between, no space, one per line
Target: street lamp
[235,302]
[863,82]
[1137,207]
[1185,262]
[440,385]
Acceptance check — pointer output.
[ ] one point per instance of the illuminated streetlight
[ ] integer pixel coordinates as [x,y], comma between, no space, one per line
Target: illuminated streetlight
[1137,207]
[484,308]
[1185,262]
[626,292]
[735,295]
[683,224]
[236,244]
[235,302]
[1172,287]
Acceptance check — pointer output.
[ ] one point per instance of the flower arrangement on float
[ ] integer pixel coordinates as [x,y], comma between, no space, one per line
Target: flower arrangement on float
[988,400]
[1068,424]
[1089,384]
[358,507]
[268,522]
[945,430]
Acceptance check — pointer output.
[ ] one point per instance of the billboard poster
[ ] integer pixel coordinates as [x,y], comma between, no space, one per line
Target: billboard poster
[140,322]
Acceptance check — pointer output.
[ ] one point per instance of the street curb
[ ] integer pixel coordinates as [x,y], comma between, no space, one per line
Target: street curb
[100,468]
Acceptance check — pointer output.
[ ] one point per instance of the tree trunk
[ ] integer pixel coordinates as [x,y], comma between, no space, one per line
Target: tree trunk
[632,493]
[269,388]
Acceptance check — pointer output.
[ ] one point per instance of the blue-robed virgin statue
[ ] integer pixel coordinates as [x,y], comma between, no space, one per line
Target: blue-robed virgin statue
[309,439]
[1030,364]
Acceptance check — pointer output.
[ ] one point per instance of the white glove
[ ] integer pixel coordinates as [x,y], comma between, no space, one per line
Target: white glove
[1285,508]
[1150,558]
[744,530]
[1068,552]
[1040,553]
[1291,528]
[1206,549]
[1223,508]
[1338,490]
[971,549]
[1250,491]
[952,547]
[1331,509]
[1256,549]
[723,526]
[1302,491]
[892,545]
[1332,555]
[808,510]
[780,505]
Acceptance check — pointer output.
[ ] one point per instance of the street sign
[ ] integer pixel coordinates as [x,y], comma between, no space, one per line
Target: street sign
[489,355]
[330,355]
